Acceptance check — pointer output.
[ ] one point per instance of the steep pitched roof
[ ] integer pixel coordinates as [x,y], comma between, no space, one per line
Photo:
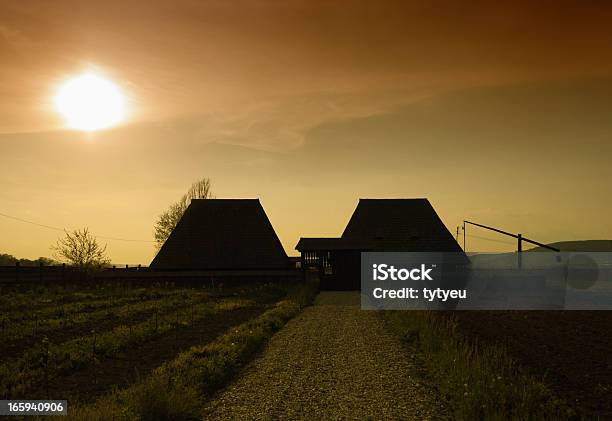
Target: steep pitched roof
[222,234]
[399,225]
[389,225]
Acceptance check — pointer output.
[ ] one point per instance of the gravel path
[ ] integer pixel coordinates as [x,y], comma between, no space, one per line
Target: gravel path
[333,361]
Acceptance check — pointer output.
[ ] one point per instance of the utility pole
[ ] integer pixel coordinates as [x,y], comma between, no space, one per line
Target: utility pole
[520,250]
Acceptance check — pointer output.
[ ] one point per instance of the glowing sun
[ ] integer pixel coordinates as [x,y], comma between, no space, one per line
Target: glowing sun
[89,102]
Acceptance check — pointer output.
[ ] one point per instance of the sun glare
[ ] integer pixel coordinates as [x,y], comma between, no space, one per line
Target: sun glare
[89,102]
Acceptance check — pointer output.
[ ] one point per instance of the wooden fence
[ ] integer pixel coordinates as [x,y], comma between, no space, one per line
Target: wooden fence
[19,274]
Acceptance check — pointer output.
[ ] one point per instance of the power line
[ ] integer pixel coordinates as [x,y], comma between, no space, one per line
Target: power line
[519,237]
[30,222]
[63,229]
[490,239]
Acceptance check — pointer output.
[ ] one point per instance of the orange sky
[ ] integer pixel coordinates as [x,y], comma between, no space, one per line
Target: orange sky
[497,113]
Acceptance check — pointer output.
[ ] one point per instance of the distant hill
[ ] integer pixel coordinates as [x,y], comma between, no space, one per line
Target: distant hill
[583,245]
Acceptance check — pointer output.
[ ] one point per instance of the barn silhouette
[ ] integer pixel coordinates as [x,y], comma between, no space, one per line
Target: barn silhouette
[377,225]
[222,234]
[235,236]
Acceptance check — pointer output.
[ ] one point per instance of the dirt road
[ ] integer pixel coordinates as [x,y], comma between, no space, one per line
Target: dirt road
[333,361]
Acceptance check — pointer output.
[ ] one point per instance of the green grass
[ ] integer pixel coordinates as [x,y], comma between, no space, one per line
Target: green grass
[479,382]
[177,390]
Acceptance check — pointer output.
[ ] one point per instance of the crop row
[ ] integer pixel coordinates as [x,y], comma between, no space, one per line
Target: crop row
[23,309]
[47,360]
[120,308]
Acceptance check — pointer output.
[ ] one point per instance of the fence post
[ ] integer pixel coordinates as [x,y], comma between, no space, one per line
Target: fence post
[17,271]
[40,272]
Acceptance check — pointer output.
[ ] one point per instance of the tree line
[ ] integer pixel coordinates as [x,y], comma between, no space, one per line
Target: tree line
[10,260]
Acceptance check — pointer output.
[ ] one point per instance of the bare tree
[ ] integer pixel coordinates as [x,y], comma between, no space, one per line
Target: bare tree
[81,249]
[166,222]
